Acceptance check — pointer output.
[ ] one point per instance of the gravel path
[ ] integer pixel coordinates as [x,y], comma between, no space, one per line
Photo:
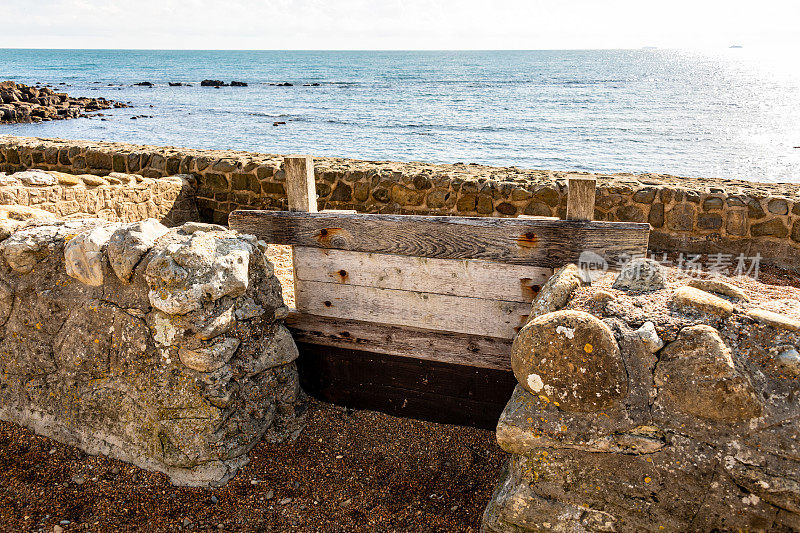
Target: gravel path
[349,471]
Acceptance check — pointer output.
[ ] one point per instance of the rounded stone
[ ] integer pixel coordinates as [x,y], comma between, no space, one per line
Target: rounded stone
[538,209]
[789,360]
[778,206]
[572,358]
[641,275]
[696,376]
[771,228]
[631,213]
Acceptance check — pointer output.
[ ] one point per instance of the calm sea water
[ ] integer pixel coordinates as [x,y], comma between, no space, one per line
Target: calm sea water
[730,114]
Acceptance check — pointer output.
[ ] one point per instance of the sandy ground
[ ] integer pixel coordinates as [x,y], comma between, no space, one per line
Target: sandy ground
[349,471]
[281,257]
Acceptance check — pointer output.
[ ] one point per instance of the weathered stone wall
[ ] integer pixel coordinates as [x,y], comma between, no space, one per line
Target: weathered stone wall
[117,197]
[689,215]
[656,403]
[163,348]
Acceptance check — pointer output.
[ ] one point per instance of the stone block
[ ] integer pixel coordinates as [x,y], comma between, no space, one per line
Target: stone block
[538,209]
[184,394]
[344,193]
[754,209]
[712,204]
[645,196]
[707,221]
[631,213]
[771,228]
[778,206]
[736,223]
[680,412]
[656,215]
[506,208]
[681,217]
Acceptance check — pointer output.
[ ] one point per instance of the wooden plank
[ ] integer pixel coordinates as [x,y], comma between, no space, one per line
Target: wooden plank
[476,316]
[535,242]
[456,277]
[402,341]
[580,198]
[301,189]
[439,392]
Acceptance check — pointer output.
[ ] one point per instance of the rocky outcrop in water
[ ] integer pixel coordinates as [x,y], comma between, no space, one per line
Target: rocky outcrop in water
[651,402]
[220,83]
[22,103]
[164,348]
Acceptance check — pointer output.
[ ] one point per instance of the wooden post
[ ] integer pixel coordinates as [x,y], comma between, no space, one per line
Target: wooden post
[301,189]
[580,198]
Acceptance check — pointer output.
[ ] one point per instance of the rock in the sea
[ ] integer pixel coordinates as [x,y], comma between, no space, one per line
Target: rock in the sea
[642,275]
[557,290]
[21,103]
[571,358]
[95,366]
[213,83]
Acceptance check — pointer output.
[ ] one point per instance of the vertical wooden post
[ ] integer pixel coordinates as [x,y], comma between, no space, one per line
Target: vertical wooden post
[301,189]
[580,198]
[301,192]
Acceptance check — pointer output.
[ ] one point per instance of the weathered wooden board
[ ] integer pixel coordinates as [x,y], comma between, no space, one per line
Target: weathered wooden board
[476,316]
[535,242]
[456,277]
[401,386]
[403,341]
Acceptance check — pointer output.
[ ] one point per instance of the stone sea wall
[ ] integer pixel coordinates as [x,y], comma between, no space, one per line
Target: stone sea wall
[687,215]
[163,348]
[117,197]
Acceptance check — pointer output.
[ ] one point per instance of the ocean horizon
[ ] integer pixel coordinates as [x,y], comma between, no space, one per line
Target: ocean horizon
[729,113]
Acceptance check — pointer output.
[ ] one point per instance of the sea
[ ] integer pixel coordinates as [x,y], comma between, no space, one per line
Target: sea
[729,113]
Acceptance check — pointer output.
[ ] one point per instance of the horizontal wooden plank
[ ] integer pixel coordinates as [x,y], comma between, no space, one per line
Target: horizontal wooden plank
[426,390]
[456,277]
[476,316]
[535,242]
[402,341]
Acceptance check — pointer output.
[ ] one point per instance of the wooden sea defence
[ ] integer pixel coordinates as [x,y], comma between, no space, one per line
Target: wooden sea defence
[415,315]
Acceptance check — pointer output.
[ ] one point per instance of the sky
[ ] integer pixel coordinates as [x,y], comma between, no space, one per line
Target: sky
[398,24]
